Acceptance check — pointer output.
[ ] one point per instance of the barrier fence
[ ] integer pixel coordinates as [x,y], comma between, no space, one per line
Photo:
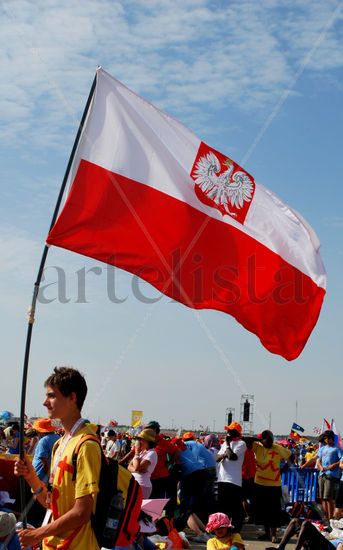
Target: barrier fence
[301,484]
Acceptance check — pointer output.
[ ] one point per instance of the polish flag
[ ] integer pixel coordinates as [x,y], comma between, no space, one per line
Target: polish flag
[149,197]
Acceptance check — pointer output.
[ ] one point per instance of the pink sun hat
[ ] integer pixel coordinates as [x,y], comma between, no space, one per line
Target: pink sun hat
[215,521]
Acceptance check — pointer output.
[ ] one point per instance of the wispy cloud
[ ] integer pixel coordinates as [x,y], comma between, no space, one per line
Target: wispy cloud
[182,54]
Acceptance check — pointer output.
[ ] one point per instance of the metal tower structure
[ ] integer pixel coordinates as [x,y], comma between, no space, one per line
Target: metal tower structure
[247,414]
[229,415]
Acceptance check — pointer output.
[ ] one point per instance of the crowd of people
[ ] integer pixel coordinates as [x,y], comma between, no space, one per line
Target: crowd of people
[213,484]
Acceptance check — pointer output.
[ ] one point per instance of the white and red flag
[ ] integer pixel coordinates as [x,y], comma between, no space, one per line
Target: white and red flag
[149,197]
[325,426]
[338,437]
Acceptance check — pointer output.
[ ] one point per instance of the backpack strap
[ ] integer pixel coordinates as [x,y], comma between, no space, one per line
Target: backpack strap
[131,499]
[56,445]
[83,439]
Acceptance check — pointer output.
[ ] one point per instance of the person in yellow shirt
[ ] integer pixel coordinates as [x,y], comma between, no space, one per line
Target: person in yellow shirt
[69,502]
[268,483]
[225,539]
[310,457]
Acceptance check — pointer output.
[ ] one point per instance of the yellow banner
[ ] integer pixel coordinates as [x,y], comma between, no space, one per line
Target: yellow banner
[136,418]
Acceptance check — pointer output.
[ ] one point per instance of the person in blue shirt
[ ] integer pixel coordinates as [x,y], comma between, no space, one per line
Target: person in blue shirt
[42,455]
[329,457]
[198,467]
[195,457]
[41,460]
[339,497]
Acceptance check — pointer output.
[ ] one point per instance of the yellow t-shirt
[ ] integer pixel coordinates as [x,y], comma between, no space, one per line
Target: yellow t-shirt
[65,491]
[226,542]
[268,463]
[310,455]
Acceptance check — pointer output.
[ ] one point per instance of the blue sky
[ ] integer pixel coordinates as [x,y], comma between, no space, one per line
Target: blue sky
[259,81]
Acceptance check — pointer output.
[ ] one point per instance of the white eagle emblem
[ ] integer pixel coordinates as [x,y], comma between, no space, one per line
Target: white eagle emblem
[228,189]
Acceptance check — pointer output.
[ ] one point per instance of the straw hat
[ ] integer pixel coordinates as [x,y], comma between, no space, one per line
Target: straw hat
[147,434]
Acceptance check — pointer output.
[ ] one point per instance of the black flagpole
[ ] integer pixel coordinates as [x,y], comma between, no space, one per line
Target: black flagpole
[31,315]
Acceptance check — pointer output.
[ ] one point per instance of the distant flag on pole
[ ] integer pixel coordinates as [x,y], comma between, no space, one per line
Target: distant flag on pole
[150,197]
[338,438]
[296,428]
[325,426]
[113,423]
[136,419]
